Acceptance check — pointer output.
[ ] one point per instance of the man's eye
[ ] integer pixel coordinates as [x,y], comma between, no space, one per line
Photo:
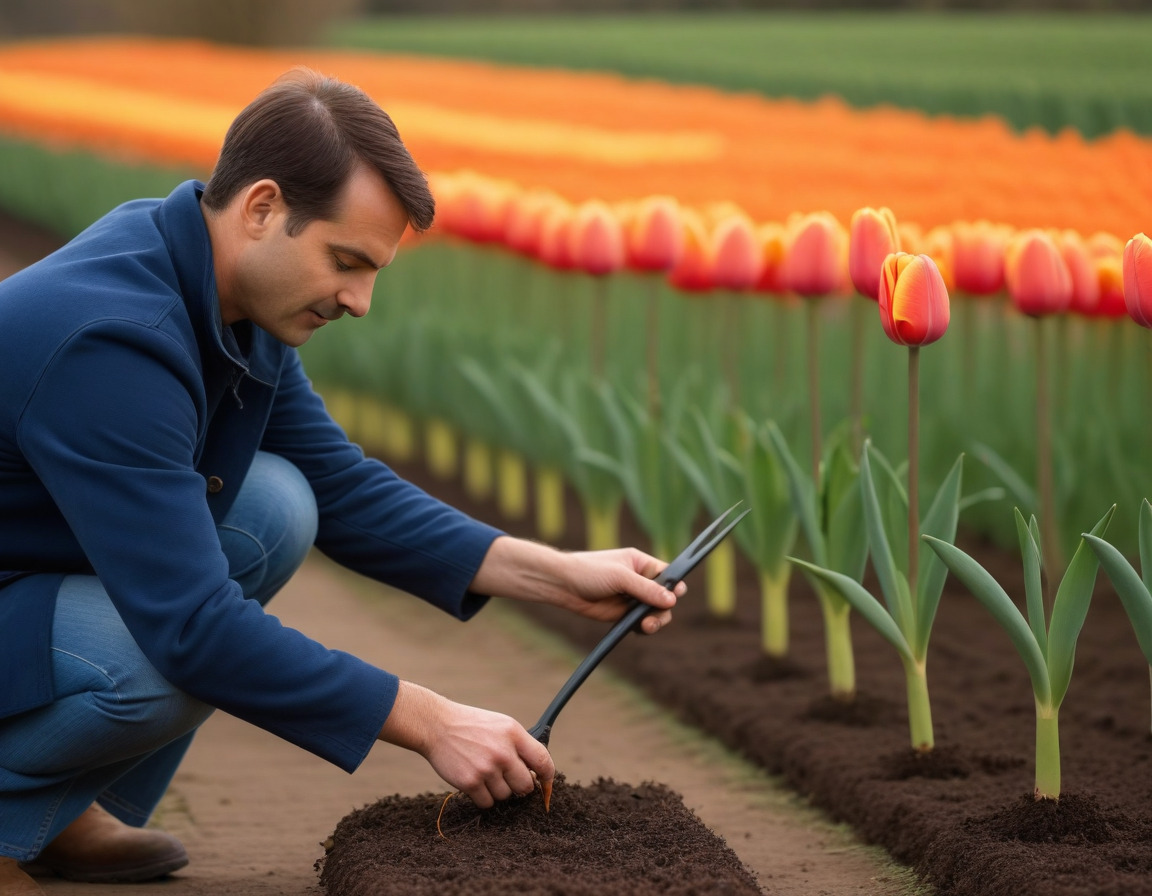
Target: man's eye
[340,265]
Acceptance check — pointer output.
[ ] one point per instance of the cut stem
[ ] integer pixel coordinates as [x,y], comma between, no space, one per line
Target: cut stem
[774,632]
[602,526]
[1047,753]
[720,578]
[550,518]
[512,485]
[478,477]
[837,614]
[919,707]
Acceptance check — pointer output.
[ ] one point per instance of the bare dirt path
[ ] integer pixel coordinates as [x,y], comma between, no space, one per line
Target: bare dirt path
[252,810]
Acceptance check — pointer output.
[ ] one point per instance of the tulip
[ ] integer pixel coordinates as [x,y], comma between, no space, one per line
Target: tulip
[913,300]
[596,239]
[1137,269]
[693,269]
[525,220]
[553,248]
[938,244]
[1085,283]
[978,257]
[478,207]
[1110,276]
[655,235]
[814,259]
[1038,280]
[872,237]
[736,254]
[772,237]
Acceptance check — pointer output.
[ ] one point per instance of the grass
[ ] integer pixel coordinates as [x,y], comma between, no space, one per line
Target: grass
[1089,72]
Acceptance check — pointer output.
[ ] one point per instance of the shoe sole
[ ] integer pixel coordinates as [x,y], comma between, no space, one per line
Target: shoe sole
[128,875]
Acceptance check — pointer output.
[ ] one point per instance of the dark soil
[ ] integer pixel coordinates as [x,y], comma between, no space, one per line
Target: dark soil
[603,838]
[963,818]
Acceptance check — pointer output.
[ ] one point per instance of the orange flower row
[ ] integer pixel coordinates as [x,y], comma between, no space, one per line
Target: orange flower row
[585,136]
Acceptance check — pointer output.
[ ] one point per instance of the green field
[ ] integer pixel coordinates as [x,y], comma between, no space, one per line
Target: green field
[1093,73]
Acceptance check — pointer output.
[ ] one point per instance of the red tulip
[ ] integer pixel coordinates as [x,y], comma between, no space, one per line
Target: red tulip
[1085,283]
[655,235]
[596,239]
[814,259]
[735,256]
[1137,268]
[913,299]
[978,256]
[476,207]
[553,248]
[872,237]
[773,239]
[525,220]
[1037,277]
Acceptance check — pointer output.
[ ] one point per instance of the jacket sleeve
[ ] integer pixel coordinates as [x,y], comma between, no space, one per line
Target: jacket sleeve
[111,430]
[371,520]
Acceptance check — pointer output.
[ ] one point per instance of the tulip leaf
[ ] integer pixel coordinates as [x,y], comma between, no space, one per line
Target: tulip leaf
[1069,609]
[773,530]
[1022,493]
[940,522]
[803,493]
[898,600]
[1133,593]
[1146,543]
[1029,538]
[864,603]
[988,591]
[845,533]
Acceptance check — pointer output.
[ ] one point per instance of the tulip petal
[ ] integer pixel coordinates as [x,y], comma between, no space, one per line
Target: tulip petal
[1137,268]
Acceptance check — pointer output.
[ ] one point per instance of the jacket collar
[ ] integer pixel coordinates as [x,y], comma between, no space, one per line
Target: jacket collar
[184,232]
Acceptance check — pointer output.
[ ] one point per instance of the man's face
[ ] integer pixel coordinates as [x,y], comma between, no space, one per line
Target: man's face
[290,286]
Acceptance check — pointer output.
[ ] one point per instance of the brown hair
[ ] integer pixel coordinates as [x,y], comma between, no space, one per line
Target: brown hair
[307,132]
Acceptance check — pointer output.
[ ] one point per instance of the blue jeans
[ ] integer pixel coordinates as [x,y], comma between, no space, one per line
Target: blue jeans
[117,730]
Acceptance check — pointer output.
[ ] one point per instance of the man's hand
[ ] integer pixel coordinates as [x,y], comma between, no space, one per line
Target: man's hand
[596,584]
[487,755]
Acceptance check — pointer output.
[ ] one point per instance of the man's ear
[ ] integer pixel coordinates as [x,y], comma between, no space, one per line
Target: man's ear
[261,206]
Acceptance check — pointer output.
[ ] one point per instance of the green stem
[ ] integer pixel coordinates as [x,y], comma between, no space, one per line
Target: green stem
[440,448]
[837,614]
[1047,753]
[919,707]
[814,385]
[913,468]
[720,579]
[1049,534]
[602,527]
[774,630]
[478,477]
[549,503]
[512,485]
[652,342]
[598,334]
[857,410]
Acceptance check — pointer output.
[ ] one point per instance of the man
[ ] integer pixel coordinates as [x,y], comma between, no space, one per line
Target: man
[164,468]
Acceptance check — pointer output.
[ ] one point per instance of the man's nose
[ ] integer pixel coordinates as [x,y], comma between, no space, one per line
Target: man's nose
[357,299]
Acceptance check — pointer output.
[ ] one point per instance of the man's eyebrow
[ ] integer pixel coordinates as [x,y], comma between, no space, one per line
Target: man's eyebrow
[359,254]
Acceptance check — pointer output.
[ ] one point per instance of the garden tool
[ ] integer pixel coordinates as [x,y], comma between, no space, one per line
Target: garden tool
[672,574]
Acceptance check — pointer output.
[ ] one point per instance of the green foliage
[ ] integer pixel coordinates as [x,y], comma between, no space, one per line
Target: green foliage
[1053,71]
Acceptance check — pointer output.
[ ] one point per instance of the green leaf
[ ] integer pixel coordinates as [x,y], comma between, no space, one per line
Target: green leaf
[1029,538]
[864,603]
[988,591]
[845,535]
[898,600]
[803,494]
[1023,495]
[1146,542]
[1133,593]
[1069,609]
[940,522]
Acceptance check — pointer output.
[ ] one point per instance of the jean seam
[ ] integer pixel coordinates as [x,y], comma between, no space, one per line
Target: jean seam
[113,686]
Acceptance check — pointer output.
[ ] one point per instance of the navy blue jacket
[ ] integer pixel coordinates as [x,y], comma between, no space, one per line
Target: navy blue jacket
[120,396]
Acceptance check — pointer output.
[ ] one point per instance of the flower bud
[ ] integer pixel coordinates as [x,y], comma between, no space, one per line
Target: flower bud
[1137,268]
[913,300]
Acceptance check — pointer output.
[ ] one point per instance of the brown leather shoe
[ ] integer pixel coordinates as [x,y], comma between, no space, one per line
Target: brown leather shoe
[14,882]
[99,848]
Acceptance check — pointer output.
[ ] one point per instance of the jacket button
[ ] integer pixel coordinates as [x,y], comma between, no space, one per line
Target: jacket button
[215,484]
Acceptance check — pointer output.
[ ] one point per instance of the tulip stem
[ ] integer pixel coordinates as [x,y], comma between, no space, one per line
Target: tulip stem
[653,344]
[814,384]
[598,326]
[858,322]
[1048,533]
[913,466]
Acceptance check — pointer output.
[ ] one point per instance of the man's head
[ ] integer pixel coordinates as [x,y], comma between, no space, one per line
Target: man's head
[307,133]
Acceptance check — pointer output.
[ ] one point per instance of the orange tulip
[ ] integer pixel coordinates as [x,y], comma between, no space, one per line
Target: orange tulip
[1037,277]
[773,238]
[814,259]
[596,239]
[655,236]
[872,237]
[735,256]
[477,207]
[938,245]
[913,299]
[978,257]
[1110,276]
[1137,268]
[693,270]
